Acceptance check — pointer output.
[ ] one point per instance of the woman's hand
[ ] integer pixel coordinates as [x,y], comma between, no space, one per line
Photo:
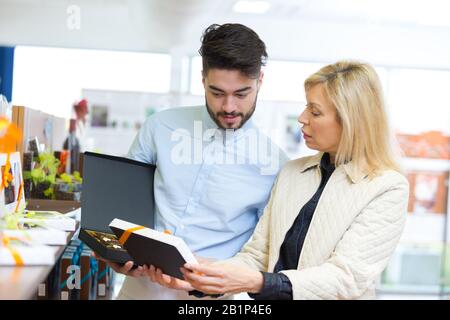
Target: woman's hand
[167,281]
[221,278]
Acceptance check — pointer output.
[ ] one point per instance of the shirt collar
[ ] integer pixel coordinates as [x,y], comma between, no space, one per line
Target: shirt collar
[326,164]
[351,170]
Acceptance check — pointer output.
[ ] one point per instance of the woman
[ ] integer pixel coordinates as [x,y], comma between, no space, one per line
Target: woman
[333,219]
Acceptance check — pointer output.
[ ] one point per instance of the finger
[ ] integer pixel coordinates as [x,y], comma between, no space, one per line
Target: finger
[147,270]
[138,272]
[166,278]
[115,266]
[155,275]
[152,274]
[181,284]
[97,256]
[159,277]
[209,289]
[198,279]
[209,270]
[126,267]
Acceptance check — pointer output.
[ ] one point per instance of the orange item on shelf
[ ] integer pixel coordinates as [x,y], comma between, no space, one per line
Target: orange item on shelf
[10,135]
[64,155]
[6,176]
[432,144]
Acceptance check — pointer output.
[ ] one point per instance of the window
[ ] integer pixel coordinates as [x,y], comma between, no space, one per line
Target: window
[419,100]
[51,79]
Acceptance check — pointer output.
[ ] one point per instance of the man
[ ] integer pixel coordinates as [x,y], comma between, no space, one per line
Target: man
[215,169]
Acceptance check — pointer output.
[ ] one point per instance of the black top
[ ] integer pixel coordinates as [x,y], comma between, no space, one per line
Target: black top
[277,285]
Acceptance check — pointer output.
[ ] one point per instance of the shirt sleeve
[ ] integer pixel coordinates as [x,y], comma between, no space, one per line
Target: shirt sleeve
[143,147]
[276,286]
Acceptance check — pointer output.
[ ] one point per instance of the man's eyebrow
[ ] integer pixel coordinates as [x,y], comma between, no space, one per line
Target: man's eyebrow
[215,88]
[220,90]
[243,89]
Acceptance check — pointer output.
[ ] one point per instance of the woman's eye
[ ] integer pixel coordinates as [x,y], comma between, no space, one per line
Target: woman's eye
[315,114]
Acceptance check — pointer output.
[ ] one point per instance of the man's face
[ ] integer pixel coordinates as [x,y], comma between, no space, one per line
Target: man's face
[230,97]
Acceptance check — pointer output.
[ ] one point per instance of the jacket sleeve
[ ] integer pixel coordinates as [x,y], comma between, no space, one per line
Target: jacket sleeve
[362,253]
[276,286]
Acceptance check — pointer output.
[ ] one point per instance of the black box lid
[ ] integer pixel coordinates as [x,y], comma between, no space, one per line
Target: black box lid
[116,187]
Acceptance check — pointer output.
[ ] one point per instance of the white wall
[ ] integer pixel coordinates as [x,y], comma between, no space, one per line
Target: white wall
[154,26]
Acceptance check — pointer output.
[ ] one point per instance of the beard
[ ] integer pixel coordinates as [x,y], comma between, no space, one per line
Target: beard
[244,117]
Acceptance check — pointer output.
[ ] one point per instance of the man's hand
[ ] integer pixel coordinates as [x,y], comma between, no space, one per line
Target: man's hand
[165,280]
[124,269]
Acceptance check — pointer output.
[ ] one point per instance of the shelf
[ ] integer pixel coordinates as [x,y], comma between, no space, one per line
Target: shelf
[426,164]
[424,228]
[21,283]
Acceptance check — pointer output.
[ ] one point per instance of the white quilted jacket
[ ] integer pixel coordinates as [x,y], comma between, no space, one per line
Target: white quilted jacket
[354,231]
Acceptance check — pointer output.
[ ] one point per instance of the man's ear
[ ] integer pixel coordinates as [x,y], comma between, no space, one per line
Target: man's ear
[203,79]
[260,79]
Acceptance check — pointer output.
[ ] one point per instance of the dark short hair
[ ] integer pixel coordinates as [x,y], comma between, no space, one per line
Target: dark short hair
[232,46]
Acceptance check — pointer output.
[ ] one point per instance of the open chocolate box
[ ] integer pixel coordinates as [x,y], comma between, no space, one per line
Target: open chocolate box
[114,187]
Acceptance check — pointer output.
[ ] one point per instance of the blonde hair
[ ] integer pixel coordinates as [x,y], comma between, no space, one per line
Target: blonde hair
[354,89]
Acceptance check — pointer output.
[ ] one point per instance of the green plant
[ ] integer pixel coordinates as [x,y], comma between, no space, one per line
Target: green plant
[70,179]
[77,177]
[49,164]
[47,182]
[67,178]
[37,175]
[45,173]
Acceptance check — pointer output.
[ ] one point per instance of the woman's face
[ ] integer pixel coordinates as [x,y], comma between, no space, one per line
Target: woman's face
[320,127]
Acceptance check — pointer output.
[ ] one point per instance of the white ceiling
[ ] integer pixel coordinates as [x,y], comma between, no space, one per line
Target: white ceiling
[381,31]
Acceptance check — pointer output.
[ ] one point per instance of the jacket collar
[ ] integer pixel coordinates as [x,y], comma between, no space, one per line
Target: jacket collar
[350,169]
[313,161]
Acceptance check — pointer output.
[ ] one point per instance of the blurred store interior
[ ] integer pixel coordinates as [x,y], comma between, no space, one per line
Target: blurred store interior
[131,58]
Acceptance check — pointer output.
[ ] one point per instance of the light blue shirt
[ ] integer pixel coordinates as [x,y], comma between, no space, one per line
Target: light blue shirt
[211,185]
